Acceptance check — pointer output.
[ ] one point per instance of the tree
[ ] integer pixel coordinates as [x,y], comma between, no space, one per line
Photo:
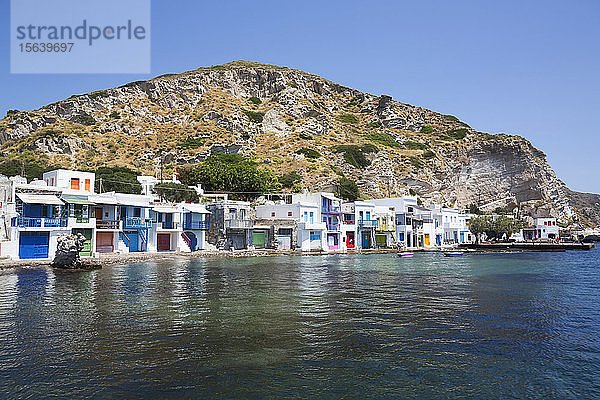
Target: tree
[231,173]
[28,166]
[289,180]
[347,189]
[176,192]
[473,209]
[479,225]
[118,179]
[505,225]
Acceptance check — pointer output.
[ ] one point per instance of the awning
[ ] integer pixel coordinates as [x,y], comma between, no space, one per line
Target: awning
[31,198]
[164,209]
[196,208]
[328,195]
[77,200]
[100,199]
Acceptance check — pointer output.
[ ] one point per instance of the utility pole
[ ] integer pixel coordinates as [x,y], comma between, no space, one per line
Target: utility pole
[100,185]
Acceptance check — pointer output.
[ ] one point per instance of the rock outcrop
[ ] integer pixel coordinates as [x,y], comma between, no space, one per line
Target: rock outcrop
[269,112]
[67,251]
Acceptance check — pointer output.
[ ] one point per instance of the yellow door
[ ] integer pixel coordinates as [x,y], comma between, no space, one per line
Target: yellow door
[426,239]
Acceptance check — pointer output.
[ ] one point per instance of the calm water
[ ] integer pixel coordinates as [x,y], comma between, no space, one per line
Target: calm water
[347,326]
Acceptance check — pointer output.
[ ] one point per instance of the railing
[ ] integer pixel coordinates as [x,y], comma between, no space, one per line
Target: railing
[186,238]
[349,222]
[28,222]
[333,227]
[237,223]
[332,209]
[367,223]
[82,219]
[168,225]
[137,222]
[107,224]
[196,225]
[123,236]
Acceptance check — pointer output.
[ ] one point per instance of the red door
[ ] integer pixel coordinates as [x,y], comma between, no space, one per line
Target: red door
[350,240]
[164,241]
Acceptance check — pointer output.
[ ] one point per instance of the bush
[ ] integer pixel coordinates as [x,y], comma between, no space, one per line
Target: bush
[428,154]
[383,138]
[354,155]
[288,180]
[426,129]
[191,143]
[409,144]
[100,93]
[176,192]
[417,162]
[292,84]
[28,167]
[118,179]
[375,124]
[308,153]
[230,173]
[347,189]
[451,118]
[114,115]
[458,133]
[254,100]
[305,136]
[348,118]
[254,116]
[12,112]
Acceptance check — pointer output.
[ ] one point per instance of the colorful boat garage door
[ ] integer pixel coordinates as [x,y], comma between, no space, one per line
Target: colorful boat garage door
[34,244]
[104,242]
[132,240]
[164,241]
[87,246]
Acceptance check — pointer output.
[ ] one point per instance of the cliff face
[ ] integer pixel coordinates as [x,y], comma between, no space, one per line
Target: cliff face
[270,113]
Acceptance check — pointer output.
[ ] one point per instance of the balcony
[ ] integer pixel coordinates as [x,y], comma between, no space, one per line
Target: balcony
[202,225]
[331,210]
[349,222]
[136,223]
[28,222]
[238,223]
[367,223]
[167,225]
[107,224]
[312,226]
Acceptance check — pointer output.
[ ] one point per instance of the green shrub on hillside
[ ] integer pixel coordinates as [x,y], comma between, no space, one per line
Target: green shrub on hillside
[348,118]
[427,129]
[254,100]
[290,179]
[428,154]
[347,189]
[417,162]
[254,116]
[191,143]
[383,138]
[409,144]
[355,155]
[458,133]
[375,124]
[308,153]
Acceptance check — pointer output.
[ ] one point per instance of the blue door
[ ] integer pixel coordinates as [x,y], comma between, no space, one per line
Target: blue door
[133,240]
[366,240]
[34,245]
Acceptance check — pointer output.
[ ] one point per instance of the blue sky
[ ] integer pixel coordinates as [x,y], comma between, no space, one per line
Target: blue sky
[520,67]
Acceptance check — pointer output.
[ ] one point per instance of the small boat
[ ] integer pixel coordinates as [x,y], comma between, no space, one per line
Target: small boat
[453,253]
[405,254]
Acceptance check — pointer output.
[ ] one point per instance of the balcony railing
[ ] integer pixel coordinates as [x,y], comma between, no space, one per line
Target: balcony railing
[332,209]
[136,223]
[238,223]
[82,219]
[349,222]
[333,227]
[196,225]
[107,224]
[367,223]
[28,222]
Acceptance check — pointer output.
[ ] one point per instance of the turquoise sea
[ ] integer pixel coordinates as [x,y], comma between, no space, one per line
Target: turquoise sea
[489,326]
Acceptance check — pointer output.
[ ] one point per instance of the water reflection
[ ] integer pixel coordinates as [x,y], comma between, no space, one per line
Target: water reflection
[374,326]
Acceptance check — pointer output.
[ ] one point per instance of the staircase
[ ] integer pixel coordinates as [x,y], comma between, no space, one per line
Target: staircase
[187,240]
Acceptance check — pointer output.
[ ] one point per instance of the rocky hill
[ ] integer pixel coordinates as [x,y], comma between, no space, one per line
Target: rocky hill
[291,120]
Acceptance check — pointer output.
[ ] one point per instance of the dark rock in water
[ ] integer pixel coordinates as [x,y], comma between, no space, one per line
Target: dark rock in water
[67,252]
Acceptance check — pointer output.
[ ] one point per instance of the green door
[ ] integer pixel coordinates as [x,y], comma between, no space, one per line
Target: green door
[259,239]
[87,246]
